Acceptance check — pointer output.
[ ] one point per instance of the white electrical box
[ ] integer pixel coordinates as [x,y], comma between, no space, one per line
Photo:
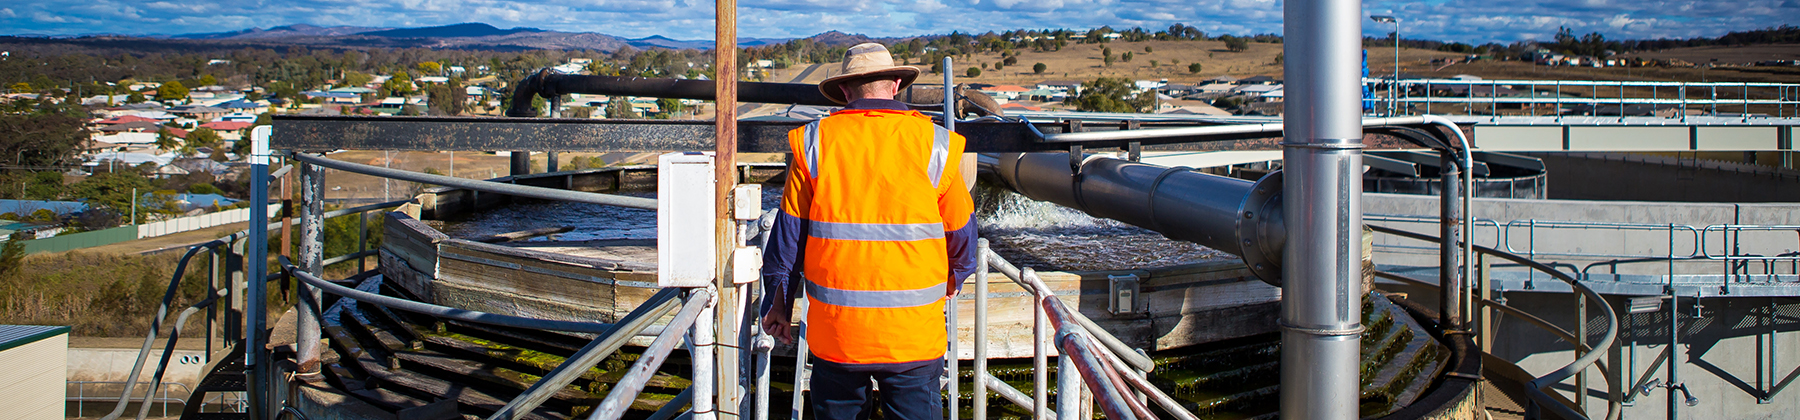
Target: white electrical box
[686,254]
[746,203]
[746,265]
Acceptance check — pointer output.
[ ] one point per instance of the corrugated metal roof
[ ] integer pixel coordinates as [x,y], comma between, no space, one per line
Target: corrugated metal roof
[19,335]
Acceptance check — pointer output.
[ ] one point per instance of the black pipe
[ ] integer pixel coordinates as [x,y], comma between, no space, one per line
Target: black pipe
[1240,217]
[551,84]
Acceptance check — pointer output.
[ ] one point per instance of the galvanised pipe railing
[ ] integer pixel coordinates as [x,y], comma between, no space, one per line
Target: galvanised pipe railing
[445,311]
[620,397]
[597,350]
[1535,389]
[162,312]
[482,186]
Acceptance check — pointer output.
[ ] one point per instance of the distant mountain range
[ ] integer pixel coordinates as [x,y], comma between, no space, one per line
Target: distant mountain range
[479,36]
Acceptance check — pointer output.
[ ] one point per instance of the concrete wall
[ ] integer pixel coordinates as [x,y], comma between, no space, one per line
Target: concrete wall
[1515,231]
[1618,176]
[1724,355]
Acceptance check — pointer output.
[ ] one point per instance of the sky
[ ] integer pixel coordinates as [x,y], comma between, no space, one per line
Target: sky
[1469,21]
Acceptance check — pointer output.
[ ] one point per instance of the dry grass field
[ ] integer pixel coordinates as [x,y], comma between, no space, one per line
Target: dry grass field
[1083,62]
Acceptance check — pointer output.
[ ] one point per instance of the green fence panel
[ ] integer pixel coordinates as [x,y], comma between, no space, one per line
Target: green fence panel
[75,241]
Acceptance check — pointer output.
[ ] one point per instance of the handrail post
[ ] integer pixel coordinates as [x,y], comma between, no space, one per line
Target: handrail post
[362,240]
[981,347]
[705,387]
[312,252]
[254,268]
[1068,387]
[1040,339]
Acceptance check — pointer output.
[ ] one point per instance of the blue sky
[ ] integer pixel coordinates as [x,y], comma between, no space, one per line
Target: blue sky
[1445,20]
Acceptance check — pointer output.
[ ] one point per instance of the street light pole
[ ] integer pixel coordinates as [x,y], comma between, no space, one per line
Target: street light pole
[1393,103]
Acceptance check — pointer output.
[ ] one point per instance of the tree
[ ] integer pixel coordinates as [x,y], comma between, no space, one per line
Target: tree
[203,137]
[670,106]
[135,98]
[41,138]
[620,108]
[1194,68]
[21,87]
[399,85]
[430,67]
[13,253]
[166,140]
[1126,56]
[172,91]
[1039,68]
[973,72]
[1010,60]
[357,78]
[446,98]
[1235,44]
[1109,94]
[208,80]
[112,191]
[1147,49]
[1106,56]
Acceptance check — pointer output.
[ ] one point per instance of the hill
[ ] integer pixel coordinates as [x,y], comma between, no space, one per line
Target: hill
[461,30]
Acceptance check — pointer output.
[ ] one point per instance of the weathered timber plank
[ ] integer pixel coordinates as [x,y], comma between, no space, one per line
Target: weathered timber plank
[402,275]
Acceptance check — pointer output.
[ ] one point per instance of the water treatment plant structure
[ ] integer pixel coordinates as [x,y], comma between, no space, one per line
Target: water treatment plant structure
[1301,229]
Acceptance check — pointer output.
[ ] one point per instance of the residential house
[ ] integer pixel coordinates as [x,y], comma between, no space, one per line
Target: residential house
[1258,80]
[1072,87]
[1004,93]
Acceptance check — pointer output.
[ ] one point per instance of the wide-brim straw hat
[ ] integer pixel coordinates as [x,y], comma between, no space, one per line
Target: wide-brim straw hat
[867,60]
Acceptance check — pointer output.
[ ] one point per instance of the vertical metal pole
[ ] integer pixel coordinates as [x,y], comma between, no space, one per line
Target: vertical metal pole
[1487,316]
[1581,337]
[1040,355]
[212,289]
[953,306]
[312,258]
[520,163]
[1449,226]
[981,347]
[725,179]
[287,215]
[1068,388]
[256,353]
[1323,150]
[701,337]
[362,240]
[1674,351]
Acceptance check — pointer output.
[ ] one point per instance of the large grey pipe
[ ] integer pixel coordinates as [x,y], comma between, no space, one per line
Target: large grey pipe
[1223,213]
[549,84]
[1322,154]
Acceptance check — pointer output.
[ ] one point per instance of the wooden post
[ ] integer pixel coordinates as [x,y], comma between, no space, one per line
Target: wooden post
[725,367]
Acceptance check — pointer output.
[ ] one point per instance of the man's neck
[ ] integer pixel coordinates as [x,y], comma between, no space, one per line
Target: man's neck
[876,103]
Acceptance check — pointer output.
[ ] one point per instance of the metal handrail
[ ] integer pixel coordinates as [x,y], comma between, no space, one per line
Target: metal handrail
[445,311]
[620,397]
[482,186]
[1531,226]
[162,312]
[597,350]
[1051,310]
[1535,388]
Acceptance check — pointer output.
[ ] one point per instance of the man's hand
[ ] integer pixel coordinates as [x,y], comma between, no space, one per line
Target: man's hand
[778,323]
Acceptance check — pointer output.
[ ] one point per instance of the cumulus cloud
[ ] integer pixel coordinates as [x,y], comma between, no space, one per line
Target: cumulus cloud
[1475,21]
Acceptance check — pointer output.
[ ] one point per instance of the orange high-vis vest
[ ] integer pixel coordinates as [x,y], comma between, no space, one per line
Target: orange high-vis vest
[878,189]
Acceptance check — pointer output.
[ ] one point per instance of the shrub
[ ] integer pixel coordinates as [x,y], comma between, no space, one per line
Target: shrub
[1039,68]
[973,72]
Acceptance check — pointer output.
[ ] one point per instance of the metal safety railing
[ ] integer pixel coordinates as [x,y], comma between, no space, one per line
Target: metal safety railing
[1586,356]
[1431,95]
[81,397]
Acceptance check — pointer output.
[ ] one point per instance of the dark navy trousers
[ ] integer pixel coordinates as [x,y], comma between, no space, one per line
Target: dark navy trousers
[841,392]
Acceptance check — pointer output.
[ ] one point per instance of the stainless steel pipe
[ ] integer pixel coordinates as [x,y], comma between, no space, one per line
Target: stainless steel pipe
[1228,214]
[1323,161]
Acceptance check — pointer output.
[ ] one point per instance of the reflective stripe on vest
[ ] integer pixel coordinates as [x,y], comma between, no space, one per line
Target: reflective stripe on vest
[877,231]
[876,298]
[934,169]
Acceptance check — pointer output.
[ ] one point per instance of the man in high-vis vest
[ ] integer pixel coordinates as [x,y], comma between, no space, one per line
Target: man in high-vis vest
[877,225]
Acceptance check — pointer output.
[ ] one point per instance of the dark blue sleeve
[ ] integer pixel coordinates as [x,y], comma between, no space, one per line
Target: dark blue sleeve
[961,245]
[783,263]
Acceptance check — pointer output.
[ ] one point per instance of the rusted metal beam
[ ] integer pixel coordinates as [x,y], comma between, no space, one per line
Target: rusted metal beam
[296,132]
